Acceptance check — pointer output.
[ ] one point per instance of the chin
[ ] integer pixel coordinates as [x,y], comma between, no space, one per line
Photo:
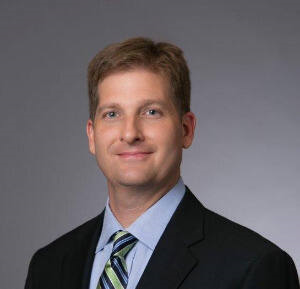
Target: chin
[134,180]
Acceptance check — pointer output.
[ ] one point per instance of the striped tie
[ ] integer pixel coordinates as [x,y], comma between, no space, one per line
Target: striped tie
[115,275]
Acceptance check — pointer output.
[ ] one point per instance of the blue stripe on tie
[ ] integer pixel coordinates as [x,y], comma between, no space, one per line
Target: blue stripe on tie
[107,281]
[116,239]
[119,267]
[121,241]
[103,283]
[120,270]
[130,238]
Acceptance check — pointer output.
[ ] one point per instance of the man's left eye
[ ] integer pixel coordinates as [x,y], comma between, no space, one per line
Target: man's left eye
[153,111]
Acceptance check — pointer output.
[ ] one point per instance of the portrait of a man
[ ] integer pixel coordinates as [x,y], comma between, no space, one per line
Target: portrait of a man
[154,233]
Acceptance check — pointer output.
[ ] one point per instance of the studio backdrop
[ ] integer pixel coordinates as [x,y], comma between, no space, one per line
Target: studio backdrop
[245,71]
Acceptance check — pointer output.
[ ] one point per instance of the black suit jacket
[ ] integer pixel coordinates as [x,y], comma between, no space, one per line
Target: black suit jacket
[199,249]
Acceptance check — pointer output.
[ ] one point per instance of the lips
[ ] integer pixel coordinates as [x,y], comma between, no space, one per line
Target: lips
[134,155]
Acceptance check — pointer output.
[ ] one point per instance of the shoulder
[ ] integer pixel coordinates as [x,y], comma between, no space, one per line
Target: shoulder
[238,240]
[233,252]
[72,247]
[241,249]
[71,239]
[219,231]
[221,234]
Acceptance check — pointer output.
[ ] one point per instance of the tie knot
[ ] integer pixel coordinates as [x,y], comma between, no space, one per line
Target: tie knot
[123,243]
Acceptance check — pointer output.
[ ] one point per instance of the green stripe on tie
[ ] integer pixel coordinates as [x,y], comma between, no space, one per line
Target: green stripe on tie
[115,276]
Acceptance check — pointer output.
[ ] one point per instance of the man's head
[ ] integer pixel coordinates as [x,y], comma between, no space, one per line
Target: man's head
[139,104]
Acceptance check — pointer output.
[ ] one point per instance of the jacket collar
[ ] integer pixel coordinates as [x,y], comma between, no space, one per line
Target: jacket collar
[172,259]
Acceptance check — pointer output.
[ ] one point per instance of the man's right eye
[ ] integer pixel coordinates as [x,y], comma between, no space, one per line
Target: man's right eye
[109,114]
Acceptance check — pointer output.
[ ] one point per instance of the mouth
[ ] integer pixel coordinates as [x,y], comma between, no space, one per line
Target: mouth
[134,155]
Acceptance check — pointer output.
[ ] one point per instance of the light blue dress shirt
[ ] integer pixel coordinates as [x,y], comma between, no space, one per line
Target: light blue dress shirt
[147,228]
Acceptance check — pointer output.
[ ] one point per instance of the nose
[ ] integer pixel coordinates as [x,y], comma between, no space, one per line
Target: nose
[131,131]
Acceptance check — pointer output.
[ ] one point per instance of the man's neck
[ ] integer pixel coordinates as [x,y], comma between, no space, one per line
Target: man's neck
[128,204]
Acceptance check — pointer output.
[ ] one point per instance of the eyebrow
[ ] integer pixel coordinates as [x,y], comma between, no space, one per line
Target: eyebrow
[143,104]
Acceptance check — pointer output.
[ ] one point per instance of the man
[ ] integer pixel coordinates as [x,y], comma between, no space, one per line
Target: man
[153,232]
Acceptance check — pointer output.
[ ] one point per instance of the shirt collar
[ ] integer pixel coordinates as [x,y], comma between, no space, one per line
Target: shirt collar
[148,227]
[110,226]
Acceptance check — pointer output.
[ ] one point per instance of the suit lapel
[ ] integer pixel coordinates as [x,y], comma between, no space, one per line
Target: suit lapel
[170,263]
[172,260]
[91,254]
[78,262]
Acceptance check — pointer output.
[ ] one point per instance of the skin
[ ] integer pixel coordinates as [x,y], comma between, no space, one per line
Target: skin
[126,122]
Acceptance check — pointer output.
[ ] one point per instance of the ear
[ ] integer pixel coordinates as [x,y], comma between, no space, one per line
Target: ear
[90,135]
[188,129]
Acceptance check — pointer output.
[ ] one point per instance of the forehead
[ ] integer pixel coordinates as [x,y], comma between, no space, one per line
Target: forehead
[134,85]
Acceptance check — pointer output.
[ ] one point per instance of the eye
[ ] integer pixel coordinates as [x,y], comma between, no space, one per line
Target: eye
[153,111]
[109,114]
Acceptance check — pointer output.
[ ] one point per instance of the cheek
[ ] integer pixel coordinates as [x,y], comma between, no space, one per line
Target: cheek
[166,137]
[103,140]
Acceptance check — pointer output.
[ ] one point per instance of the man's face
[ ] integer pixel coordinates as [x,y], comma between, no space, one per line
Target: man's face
[137,135]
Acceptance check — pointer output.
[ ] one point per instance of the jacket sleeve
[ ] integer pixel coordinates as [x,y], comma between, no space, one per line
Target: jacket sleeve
[274,270]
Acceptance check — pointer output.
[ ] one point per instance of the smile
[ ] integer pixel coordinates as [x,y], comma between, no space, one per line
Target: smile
[134,156]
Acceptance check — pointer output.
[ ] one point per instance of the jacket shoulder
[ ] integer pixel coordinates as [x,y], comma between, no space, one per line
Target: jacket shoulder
[234,237]
[72,247]
[70,239]
[238,256]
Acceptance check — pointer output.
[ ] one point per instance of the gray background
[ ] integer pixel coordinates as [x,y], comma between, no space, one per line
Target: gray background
[245,68]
